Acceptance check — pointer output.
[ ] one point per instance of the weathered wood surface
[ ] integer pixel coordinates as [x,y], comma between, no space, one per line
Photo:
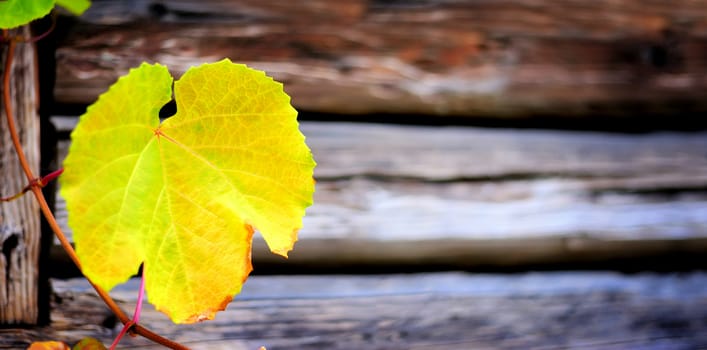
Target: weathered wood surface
[563,59]
[73,317]
[464,197]
[20,230]
[563,310]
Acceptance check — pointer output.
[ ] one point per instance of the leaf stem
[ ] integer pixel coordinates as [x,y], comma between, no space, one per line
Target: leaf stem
[122,333]
[37,182]
[140,297]
[136,314]
[36,190]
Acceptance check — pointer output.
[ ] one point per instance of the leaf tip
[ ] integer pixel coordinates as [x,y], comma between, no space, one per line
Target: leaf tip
[283,251]
[208,314]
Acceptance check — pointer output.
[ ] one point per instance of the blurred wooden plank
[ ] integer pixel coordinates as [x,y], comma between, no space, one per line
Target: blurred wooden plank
[465,197]
[519,58]
[586,310]
[21,301]
[444,155]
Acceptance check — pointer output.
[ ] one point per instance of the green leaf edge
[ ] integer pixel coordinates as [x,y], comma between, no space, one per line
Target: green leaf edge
[15,13]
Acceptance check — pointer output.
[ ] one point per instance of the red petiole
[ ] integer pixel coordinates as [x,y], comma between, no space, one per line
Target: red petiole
[136,314]
[40,182]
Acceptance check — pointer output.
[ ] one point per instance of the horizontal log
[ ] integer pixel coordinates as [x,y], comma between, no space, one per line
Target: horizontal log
[629,162]
[587,310]
[517,58]
[466,197]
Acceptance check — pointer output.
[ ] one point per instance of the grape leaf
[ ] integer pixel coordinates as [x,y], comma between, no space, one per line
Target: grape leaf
[184,196]
[14,13]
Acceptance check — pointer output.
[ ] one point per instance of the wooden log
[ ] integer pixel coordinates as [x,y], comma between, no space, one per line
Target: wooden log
[74,316]
[587,310]
[519,58]
[20,230]
[465,197]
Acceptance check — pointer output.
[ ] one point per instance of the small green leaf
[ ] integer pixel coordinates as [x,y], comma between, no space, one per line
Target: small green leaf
[89,343]
[77,7]
[15,13]
[185,195]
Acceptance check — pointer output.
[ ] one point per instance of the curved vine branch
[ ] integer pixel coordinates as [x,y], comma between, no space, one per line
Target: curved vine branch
[36,190]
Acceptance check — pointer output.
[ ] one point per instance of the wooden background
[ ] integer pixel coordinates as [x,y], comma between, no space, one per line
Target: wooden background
[413,198]
[20,230]
[455,197]
[560,310]
[635,59]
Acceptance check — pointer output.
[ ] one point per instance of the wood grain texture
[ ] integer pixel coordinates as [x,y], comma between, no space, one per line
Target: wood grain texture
[585,310]
[516,58]
[20,230]
[468,197]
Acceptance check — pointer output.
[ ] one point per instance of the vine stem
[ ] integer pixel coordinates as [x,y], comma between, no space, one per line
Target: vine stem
[36,190]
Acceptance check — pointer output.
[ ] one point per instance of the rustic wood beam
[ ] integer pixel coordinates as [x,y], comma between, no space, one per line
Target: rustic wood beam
[424,197]
[518,58]
[20,230]
[587,310]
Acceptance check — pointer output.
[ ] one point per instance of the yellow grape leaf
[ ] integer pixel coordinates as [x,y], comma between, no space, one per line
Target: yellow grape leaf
[184,196]
[48,345]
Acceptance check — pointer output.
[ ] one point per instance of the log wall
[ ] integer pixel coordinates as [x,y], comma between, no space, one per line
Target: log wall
[460,197]
[592,311]
[517,58]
